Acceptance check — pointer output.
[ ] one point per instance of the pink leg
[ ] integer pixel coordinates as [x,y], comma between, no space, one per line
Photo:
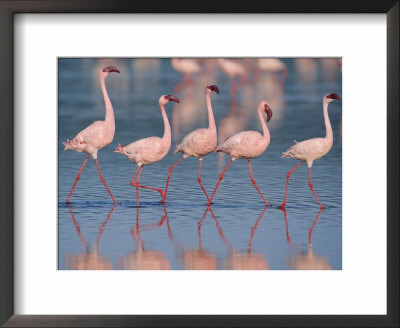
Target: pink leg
[311,186]
[104,181]
[287,183]
[134,175]
[137,196]
[169,176]
[219,181]
[199,180]
[77,178]
[137,185]
[254,183]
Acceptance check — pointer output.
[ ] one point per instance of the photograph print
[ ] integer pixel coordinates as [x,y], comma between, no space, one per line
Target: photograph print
[199,163]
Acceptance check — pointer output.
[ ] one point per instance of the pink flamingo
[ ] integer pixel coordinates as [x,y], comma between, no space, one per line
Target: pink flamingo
[187,67]
[274,66]
[247,144]
[198,143]
[149,150]
[232,69]
[311,149]
[97,135]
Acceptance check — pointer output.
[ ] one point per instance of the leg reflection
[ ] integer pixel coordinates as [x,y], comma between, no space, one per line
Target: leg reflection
[89,260]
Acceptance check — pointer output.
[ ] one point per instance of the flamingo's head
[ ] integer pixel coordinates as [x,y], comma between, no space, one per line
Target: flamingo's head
[108,70]
[165,99]
[331,97]
[212,88]
[265,107]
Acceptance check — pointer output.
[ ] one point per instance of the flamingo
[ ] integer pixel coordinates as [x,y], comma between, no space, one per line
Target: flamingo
[247,144]
[273,65]
[311,149]
[149,150]
[97,135]
[187,67]
[233,69]
[198,143]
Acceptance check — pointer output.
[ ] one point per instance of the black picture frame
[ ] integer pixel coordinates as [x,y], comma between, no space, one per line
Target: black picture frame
[7,10]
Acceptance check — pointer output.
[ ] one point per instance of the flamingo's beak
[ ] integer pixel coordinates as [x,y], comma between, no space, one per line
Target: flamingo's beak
[172,98]
[333,96]
[268,111]
[214,88]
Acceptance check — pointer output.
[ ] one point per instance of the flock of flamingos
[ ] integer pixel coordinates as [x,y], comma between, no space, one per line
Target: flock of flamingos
[200,142]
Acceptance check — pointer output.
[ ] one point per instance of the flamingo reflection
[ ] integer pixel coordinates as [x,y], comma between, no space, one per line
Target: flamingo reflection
[143,259]
[89,260]
[308,261]
[199,259]
[248,260]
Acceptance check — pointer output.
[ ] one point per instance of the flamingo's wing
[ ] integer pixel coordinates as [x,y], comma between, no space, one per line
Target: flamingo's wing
[95,136]
[93,133]
[146,145]
[192,141]
[303,149]
[242,141]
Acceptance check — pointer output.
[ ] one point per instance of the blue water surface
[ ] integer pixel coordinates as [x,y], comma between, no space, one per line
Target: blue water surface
[237,231]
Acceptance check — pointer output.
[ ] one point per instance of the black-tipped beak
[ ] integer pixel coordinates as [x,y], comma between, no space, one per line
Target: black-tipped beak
[268,111]
[213,88]
[172,98]
[110,69]
[333,96]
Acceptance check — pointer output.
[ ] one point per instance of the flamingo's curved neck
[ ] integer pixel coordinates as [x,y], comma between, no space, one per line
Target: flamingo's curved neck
[263,124]
[109,109]
[167,128]
[329,134]
[211,121]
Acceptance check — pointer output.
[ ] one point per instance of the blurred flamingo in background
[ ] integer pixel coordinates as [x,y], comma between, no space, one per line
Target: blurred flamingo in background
[273,66]
[187,67]
[233,68]
[97,135]
[311,149]
[198,143]
[247,144]
[149,150]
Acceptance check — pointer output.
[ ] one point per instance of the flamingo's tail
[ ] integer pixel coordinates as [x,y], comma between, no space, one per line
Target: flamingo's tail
[119,149]
[178,149]
[289,154]
[69,144]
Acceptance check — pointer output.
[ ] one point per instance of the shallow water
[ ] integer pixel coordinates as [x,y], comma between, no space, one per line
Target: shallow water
[238,232]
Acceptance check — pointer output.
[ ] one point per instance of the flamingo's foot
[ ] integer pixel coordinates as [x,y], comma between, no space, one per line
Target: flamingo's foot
[282,206]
